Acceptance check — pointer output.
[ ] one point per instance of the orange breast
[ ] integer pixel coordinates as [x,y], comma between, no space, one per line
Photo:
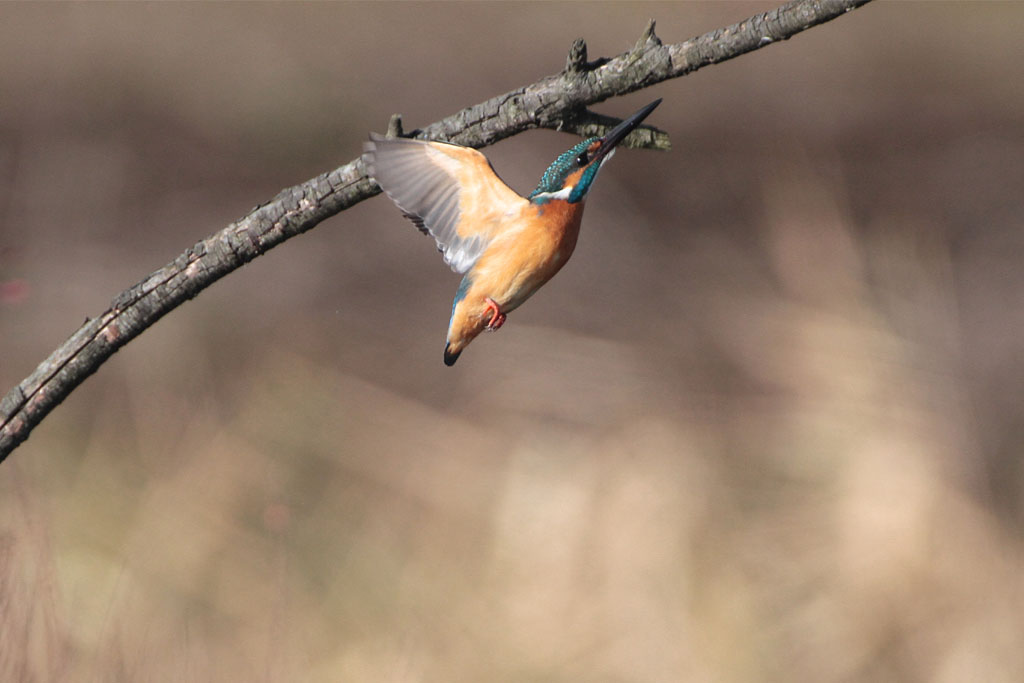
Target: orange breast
[534,246]
[518,263]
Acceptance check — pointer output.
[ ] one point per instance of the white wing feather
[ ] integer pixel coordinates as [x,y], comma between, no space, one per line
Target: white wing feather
[427,180]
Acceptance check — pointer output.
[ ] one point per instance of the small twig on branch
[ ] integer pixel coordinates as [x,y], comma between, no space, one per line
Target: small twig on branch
[592,125]
[557,102]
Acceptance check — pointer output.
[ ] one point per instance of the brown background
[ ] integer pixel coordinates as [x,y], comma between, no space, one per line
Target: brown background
[766,425]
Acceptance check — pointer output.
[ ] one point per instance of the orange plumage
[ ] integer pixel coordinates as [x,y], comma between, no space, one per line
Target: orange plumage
[514,267]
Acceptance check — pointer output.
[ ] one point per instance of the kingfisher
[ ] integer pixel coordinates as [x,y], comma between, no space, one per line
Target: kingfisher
[503,244]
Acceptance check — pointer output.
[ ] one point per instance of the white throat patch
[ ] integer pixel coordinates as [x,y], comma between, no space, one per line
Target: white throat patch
[561,194]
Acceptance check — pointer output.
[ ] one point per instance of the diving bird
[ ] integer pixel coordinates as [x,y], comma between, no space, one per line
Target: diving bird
[505,245]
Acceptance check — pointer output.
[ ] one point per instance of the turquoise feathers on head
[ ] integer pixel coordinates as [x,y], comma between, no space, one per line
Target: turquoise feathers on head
[553,179]
[583,186]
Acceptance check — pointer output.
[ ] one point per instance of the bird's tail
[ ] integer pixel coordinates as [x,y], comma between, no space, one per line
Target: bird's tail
[450,356]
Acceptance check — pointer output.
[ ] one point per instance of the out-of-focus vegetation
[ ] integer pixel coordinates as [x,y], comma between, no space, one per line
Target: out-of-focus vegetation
[766,425]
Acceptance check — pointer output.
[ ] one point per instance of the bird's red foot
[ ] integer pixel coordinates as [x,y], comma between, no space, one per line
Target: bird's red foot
[497,317]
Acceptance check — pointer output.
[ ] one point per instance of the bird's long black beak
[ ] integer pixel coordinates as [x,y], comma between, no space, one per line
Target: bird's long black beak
[619,132]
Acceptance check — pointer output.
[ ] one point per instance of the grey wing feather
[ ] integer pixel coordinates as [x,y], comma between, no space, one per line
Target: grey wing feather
[426,193]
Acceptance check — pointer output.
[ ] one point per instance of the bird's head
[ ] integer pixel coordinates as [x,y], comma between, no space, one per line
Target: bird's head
[572,174]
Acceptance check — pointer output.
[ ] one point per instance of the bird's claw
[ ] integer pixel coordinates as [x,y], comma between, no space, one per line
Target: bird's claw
[497,317]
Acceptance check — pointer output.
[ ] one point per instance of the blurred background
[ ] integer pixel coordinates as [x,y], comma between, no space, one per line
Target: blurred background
[765,426]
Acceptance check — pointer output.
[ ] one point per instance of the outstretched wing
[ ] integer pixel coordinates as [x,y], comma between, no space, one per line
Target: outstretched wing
[448,191]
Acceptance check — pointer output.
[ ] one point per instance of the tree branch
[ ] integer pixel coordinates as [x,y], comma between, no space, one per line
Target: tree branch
[557,102]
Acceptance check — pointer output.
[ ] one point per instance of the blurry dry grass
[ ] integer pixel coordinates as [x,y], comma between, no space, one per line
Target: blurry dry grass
[766,425]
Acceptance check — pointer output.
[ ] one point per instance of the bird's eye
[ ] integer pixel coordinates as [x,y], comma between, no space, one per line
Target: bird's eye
[582,159]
